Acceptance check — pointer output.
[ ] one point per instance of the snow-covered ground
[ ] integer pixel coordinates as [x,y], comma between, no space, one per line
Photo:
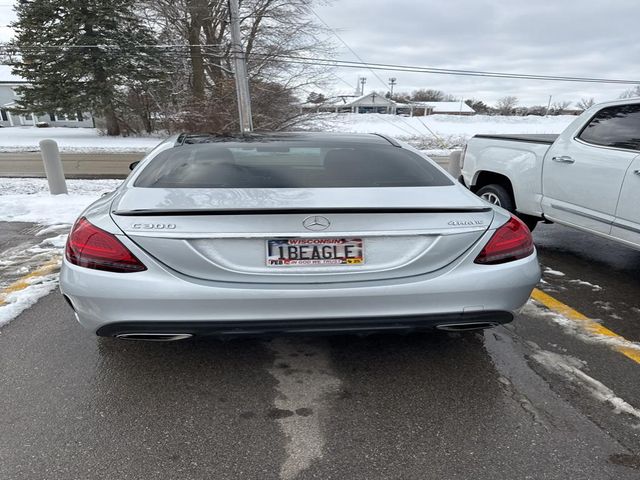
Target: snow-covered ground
[26,139]
[438,134]
[28,200]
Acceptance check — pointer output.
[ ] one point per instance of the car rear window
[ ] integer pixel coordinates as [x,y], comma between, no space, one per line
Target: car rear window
[287,165]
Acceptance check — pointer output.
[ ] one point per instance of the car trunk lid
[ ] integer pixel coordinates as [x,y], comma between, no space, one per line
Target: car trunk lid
[224,234]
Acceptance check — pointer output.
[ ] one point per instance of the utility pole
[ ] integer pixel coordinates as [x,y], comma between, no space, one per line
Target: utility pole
[392,82]
[240,70]
[363,80]
[546,114]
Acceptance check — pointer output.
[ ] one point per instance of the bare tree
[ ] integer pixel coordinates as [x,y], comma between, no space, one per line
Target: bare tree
[631,93]
[429,95]
[506,105]
[557,108]
[278,36]
[585,103]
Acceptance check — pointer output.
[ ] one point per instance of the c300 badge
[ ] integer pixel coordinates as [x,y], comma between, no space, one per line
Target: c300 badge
[154,226]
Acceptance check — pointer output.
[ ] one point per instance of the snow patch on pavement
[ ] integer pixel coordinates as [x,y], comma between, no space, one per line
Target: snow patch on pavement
[304,382]
[18,262]
[571,369]
[574,328]
[606,306]
[29,200]
[17,302]
[555,273]
[594,287]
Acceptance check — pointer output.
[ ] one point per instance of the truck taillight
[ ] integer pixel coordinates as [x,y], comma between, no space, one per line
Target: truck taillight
[91,247]
[510,242]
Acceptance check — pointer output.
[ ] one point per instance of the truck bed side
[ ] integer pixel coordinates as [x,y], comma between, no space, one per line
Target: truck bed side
[514,161]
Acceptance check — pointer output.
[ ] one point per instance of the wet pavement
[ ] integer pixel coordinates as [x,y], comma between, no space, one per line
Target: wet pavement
[536,399]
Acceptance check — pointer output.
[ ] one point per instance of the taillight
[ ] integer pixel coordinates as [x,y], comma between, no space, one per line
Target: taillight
[91,247]
[512,241]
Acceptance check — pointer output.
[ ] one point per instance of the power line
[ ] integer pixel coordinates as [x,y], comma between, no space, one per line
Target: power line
[443,71]
[305,60]
[373,72]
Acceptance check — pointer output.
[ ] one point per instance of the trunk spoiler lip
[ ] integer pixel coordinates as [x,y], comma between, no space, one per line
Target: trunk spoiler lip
[290,211]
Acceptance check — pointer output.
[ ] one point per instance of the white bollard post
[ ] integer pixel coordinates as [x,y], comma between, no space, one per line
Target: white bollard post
[53,167]
[454,163]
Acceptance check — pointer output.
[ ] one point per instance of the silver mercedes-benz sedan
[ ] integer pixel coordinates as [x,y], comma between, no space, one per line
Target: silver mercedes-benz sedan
[293,233]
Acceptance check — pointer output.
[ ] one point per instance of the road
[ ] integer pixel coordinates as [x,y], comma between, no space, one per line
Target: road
[536,399]
[75,165]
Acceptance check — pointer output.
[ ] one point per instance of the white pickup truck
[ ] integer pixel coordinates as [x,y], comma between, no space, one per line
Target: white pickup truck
[588,177]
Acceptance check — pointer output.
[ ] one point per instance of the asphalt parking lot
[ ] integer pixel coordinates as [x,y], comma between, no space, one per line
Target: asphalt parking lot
[541,398]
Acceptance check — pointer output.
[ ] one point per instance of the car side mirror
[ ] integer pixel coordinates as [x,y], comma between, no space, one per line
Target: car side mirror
[133,165]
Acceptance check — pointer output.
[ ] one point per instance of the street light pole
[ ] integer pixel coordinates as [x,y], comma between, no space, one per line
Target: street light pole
[392,82]
[240,70]
[363,80]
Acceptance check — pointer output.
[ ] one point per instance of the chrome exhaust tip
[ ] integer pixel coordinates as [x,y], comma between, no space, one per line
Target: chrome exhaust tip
[464,327]
[155,337]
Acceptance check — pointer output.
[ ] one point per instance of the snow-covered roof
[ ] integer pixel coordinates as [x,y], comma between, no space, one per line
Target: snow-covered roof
[7,77]
[446,107]
[375,99]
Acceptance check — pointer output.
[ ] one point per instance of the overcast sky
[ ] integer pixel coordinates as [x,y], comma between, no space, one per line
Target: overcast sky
[586,38]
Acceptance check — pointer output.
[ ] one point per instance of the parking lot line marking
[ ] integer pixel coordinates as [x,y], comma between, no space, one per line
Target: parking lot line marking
[24,281]
[588,324]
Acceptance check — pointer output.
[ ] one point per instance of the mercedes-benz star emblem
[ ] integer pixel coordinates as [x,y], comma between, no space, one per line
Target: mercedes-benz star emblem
[316,223]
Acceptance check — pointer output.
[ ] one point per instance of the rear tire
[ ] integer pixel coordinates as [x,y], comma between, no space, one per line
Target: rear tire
[500,196]
[497,195]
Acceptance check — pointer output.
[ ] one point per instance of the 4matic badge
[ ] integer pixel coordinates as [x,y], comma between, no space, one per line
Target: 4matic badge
[465,223]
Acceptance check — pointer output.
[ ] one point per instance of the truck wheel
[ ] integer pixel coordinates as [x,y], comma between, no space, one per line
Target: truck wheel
[498,195]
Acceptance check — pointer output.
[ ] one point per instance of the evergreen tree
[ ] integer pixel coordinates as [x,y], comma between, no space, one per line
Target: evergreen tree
[82,56]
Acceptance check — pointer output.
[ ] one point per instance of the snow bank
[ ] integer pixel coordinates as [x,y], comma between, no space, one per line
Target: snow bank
[28,200]
[71,140]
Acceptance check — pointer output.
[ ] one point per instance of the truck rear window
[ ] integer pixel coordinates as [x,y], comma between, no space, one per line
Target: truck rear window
[289,165]
[617,126]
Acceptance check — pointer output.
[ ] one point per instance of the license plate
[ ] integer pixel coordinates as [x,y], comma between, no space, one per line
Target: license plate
[290,252]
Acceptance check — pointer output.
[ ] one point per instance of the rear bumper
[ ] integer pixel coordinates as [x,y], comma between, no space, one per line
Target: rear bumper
[463,321]
[160,299]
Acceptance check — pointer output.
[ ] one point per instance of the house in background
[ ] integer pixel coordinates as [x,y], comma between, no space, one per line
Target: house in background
[375,103]
[8,97]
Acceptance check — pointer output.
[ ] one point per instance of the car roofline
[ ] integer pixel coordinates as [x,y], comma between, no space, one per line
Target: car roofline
[184,138]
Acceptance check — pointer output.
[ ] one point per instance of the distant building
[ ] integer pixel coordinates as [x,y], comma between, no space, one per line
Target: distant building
[375,103]
[8,97]
[351,103]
